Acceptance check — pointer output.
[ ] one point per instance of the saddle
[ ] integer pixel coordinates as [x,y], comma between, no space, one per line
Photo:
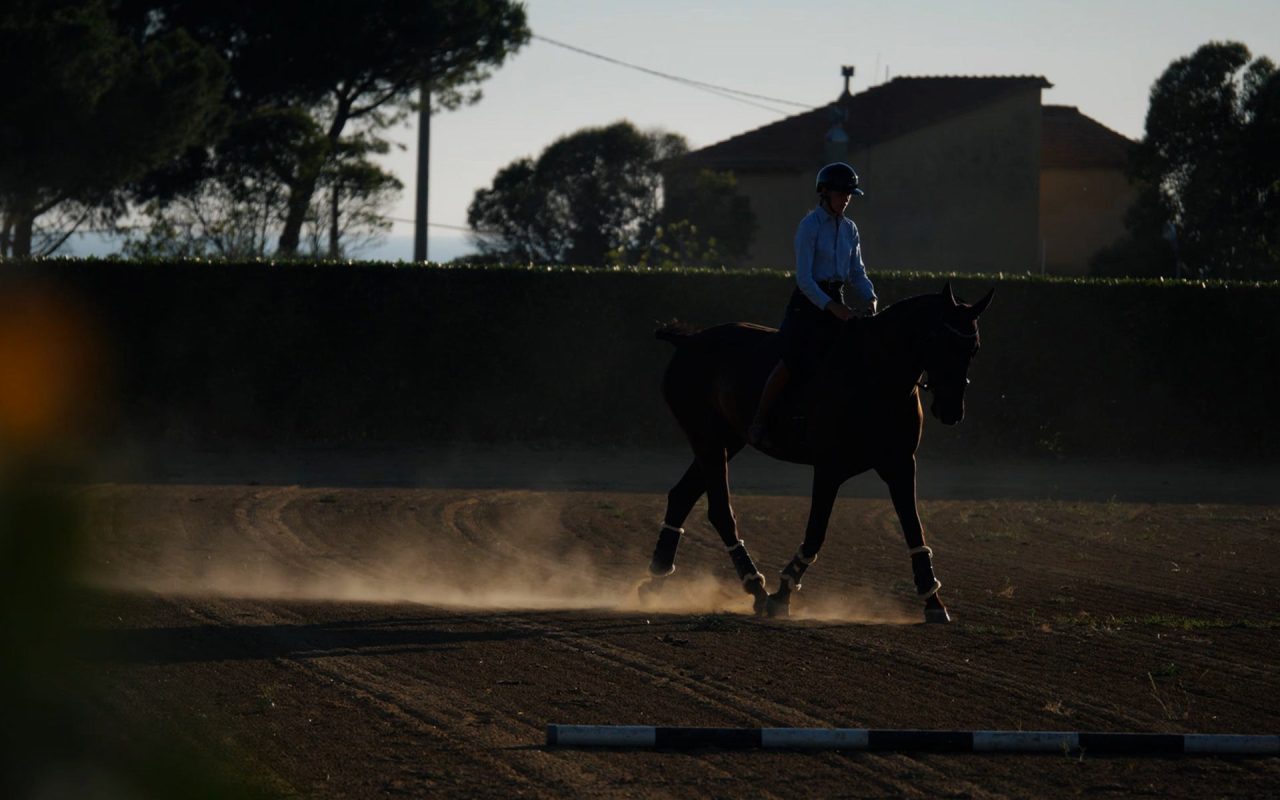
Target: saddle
[800,400]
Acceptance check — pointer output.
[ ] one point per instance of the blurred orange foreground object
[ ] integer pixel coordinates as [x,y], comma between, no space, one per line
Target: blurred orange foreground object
[49,360]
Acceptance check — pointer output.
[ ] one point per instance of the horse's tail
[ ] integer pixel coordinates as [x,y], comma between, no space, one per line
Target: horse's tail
[674,332]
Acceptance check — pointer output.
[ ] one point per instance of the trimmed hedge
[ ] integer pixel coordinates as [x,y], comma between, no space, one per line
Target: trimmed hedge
[381,354]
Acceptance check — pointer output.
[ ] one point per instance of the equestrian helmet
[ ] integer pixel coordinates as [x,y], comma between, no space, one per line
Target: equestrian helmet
[839,176]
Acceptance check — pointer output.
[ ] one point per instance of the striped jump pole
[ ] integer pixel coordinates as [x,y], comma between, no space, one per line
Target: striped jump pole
[1140,744]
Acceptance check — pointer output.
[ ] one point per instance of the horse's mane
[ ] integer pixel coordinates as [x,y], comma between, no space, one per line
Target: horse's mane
[901,316]
[911,305]
[678,332]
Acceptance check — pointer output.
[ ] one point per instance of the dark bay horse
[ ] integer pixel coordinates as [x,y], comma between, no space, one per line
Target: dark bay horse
[860,411]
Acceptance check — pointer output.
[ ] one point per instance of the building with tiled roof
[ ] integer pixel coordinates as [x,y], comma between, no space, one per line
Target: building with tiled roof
[1084,188]
[961,173]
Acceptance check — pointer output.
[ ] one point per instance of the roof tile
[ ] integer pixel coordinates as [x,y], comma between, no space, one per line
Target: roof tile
[1070,139]
[905,104]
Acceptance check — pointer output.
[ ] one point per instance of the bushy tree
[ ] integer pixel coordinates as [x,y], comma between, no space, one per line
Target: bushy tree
[352,195]
[84,110]
[314,83]
[236,210]
[588,194]
[596,197]
[1209,165]
[227,219]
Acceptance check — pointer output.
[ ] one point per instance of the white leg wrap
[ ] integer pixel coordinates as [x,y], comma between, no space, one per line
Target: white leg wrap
[803,559]
[731,547]
[755,577]
[937,584]
[667,527]
[921,549]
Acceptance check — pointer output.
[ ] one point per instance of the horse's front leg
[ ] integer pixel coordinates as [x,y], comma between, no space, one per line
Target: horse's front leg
[715,468]
[825,486]
[901,479]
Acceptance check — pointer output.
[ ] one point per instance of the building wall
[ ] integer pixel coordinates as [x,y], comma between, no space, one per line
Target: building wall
[779,200]
[1081,212]
[960,195]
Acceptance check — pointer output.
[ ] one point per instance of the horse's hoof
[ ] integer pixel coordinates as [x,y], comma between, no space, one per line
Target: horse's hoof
[760,605]
[649,590]
[936,615]
[755,586]
[778,608]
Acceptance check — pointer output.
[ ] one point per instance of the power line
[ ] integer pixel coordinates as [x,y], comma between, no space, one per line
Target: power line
[119,229]
[722,91]
[435,224]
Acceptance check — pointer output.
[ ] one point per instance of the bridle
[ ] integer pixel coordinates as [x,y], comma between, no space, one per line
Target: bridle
[957,332]
[954,331]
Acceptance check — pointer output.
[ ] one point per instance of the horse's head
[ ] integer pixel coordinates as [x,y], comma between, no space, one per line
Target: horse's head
[950,345]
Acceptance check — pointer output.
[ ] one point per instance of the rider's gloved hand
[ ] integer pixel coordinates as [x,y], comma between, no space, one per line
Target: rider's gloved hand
[841,311]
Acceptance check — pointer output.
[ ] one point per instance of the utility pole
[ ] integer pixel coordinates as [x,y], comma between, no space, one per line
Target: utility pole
[424,172]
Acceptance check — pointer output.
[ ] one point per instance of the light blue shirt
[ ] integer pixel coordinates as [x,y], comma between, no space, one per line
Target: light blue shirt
[828,249]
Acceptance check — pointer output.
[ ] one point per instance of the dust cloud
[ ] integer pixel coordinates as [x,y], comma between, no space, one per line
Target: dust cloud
[500,551]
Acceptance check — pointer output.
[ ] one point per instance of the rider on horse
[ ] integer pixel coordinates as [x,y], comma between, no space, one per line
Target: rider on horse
[831,287]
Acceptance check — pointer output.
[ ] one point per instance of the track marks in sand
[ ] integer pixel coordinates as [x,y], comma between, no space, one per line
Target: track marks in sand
[728,703]
[462,740]
[450,687]
[464,731]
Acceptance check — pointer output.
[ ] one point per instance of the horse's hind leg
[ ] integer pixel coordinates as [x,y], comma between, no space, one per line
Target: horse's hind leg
[901,480]
[680,501]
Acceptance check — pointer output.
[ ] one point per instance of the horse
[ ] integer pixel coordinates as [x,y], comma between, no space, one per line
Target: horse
[860,410]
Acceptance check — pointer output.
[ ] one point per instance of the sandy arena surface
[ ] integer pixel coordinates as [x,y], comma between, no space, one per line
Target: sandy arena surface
[413,634]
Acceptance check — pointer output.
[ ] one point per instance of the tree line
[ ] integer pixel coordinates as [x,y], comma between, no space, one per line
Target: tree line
[234,129]
[219,125]
[207,128]
[1207,172]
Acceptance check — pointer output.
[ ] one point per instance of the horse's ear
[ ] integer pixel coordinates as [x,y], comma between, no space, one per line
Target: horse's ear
[947,293]
[981,305]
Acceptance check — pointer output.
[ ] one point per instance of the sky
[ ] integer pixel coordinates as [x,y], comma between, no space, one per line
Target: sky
[1100,55]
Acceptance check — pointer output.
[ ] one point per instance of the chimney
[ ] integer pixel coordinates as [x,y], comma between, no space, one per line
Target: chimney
[835,145]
